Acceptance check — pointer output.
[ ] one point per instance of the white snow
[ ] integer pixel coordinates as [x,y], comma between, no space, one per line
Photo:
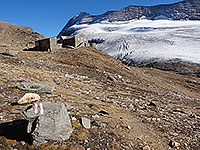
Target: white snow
[141,40]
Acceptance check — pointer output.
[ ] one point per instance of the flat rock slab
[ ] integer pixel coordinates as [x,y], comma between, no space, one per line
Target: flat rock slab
[36,87]
[85,122]
[48,122]
[10,52]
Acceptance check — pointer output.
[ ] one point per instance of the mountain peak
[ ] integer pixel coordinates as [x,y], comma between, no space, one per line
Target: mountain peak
[184,10]
[131,34]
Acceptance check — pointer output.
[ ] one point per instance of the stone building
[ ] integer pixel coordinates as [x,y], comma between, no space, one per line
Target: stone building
[52,44]
[48,44]
[77,40]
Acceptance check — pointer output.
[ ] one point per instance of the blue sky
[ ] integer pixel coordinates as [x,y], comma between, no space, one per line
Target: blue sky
[49,16]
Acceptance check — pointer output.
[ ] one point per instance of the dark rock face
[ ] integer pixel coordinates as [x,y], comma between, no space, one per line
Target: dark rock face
[174,65]
[185,10]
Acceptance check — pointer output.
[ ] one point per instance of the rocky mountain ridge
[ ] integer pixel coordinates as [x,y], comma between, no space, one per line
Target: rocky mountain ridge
[184,10]
[146,36]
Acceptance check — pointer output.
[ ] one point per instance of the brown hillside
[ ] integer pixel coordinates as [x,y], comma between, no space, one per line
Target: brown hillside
[13,35]
[147,108]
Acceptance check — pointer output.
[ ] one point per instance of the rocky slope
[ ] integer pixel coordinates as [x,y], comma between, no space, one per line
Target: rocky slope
[130,108]
[174,65]
[12,35]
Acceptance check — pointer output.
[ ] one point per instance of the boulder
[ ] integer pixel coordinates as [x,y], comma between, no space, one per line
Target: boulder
[111,78]
[85,122]
[10,52]
[48,122]
[29,98]
[36,87]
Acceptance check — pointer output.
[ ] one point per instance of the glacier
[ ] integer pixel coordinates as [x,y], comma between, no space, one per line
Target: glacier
[143,40]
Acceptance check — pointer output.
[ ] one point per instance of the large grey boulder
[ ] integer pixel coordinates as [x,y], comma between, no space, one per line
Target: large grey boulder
[10,52]
[48,122]
[36,87]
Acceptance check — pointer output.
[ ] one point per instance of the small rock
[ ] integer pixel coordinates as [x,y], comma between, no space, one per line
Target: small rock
[152,104]
[128,127]
[107,100]
[192,116]
[4,46]
[111,78]
[74,119]
[104,113]
[158,119]
[98,123]
[154,119]
[86,141]
[191,81]
[93,106]
[131,106]
[115,146]
[29,98]
[85,122]
[23,143]
[174,144]
[60,95]
[137,100]
[146,148]
[179,111]
[95,116]
[119,76]
[127,68]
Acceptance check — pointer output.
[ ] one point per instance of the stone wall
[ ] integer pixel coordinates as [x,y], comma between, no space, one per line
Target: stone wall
[48,44]
[53,43]
[81,40]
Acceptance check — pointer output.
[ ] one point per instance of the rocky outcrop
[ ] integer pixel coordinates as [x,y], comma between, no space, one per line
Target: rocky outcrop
[174,65]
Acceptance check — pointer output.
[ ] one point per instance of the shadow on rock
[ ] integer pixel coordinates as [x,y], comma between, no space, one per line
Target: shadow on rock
[16,130]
